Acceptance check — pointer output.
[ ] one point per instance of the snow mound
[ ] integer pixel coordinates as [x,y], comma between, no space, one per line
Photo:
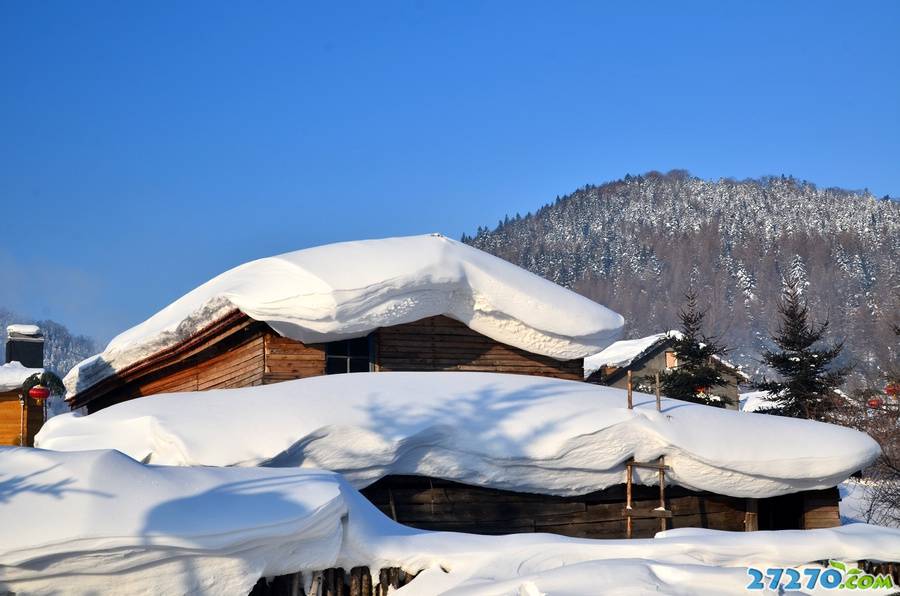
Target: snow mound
[13,375]
[515,432]
[346,290]
[97,522]
[81,520]
[23,330]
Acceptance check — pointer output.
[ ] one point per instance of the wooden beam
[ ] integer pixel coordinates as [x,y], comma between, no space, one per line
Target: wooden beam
[630,402]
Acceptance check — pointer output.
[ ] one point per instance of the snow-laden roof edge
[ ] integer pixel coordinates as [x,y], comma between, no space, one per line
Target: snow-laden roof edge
[512,432]
[624,352]
[13,375]
[348,289]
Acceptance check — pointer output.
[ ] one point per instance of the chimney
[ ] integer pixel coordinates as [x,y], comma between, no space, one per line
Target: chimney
[25,344]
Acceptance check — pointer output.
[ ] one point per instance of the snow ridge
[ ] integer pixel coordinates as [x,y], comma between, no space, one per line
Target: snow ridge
[515,432]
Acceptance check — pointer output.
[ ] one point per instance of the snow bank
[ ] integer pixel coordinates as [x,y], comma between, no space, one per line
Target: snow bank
[13,374]
[80,523]
[346,290]
[515,432]
[98,522]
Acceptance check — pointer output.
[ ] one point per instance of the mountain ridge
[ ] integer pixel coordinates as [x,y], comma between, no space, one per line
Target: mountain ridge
[637,244]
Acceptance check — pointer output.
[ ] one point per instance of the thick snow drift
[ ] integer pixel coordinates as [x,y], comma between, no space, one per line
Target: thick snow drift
[75,522]
[515,432]
[346,290]
[99,523]
[13,375]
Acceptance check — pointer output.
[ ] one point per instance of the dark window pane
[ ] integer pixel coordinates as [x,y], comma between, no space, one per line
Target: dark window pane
[335,365]
[359,365]
[359,347]
[336,348]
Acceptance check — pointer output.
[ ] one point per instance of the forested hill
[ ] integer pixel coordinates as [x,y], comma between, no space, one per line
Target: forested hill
[62,349]
[639,243]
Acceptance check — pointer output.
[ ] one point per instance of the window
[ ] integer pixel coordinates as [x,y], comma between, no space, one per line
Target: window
[347,356]
[671,360]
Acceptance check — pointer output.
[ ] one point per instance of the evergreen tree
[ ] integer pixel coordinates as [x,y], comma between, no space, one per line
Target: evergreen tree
[808,377]
[695,374]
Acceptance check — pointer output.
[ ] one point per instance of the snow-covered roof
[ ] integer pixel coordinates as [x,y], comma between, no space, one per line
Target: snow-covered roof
[516,432]
[13,374]
[93,522]
[23,330]
[349,289]
[622,353]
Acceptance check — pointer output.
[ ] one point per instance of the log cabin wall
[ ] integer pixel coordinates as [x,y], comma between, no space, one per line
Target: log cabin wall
[434,504]
[11,419]
[440,343]
[442,505]
[241,352]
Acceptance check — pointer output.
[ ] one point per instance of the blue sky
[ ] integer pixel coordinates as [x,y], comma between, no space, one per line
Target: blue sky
[149,146]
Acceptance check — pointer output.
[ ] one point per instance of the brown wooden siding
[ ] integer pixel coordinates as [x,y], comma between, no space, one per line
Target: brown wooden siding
[240,352]
[434,504]
[11,419]
[440,343]
[287,359]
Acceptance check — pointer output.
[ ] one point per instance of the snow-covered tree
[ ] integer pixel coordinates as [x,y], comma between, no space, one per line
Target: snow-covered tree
[807,374]
[695,374]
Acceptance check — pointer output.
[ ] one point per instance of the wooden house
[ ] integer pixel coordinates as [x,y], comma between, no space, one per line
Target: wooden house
[646,356]
[237,351]
[423,303]
[20,417]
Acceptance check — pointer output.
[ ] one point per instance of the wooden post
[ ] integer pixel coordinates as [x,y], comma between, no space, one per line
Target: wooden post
[751,516]
[628,479]
[658,400]
[662,475]
[630,403]
[295,584]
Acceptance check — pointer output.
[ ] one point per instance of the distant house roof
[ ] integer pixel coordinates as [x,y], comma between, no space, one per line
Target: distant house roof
[13,375]
[349,289]
[622,354]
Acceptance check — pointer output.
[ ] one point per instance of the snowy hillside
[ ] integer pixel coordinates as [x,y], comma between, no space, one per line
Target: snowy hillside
[636,244]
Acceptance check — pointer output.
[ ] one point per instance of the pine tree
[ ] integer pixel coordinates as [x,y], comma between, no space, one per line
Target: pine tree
[808,376]
[695,374]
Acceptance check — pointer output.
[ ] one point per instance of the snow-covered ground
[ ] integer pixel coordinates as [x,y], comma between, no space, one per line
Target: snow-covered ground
[348,289]
[531,434]
[99,522]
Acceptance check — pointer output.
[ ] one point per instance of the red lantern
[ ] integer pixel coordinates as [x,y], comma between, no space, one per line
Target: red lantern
[892,389]
[702,390]
[875,402]
[39,393]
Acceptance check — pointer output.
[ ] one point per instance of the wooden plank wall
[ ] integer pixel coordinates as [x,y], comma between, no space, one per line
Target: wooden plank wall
[821,509]
[440,343]
[11,419]
[435,504]
[287,359]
